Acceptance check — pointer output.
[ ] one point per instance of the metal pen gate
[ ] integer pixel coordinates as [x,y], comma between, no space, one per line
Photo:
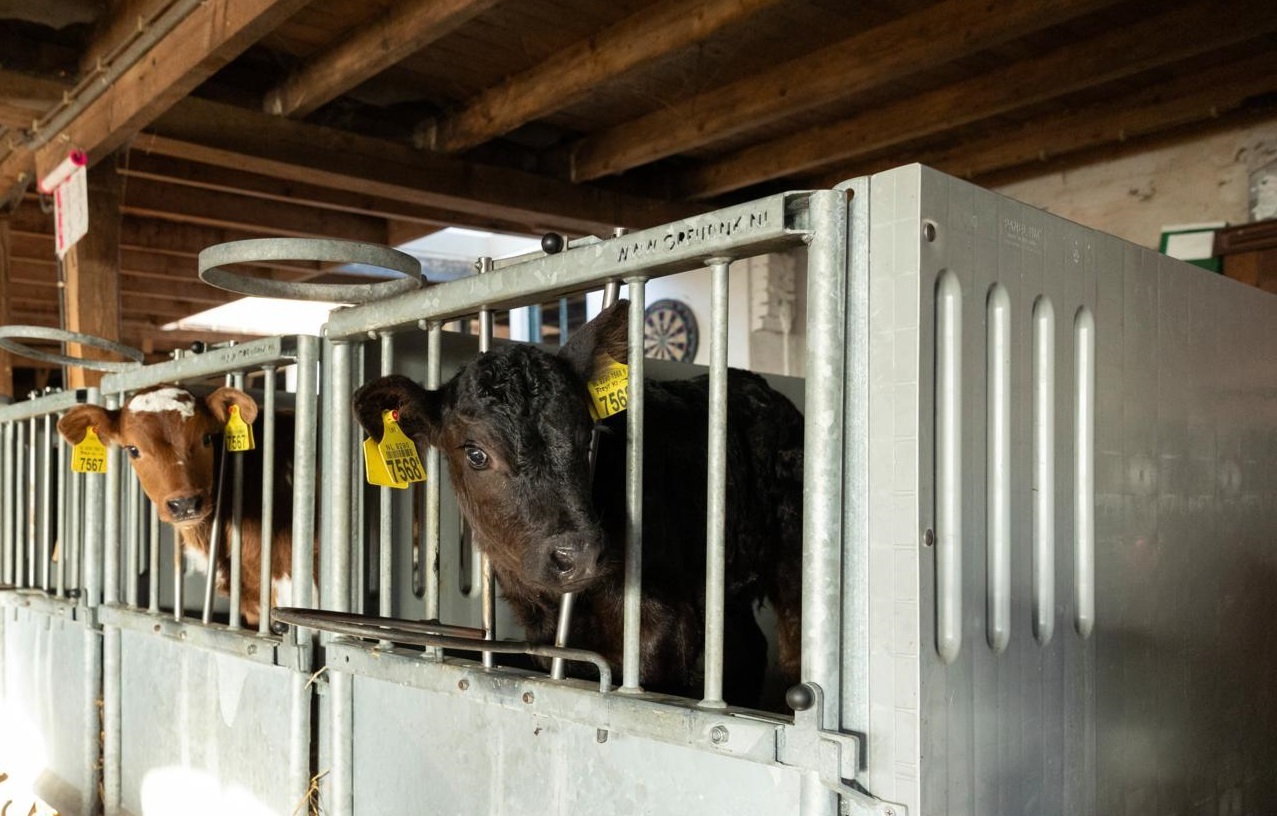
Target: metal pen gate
[1039,506]
[171,704]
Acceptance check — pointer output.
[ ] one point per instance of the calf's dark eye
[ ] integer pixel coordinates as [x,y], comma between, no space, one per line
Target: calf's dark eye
[477,457]
[208,440]
[133,452]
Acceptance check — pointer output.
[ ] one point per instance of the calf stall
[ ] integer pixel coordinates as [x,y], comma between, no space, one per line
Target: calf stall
[515,427]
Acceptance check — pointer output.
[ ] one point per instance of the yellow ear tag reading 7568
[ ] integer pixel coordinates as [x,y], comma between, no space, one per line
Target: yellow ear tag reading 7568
[398,452]
[239,434]
[89,454]
[609,390]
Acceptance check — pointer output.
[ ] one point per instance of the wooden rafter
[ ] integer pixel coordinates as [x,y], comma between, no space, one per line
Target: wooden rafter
[908,45]
[405,28]
[570,74]
[90,270]
[203,41]
[7,283]
[1185,101]
[297,151]
[1154,42]
[214,208]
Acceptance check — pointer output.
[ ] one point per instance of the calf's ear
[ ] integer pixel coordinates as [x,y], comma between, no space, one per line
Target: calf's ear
[603,340]
[220,401]
[420,411]
[74,423]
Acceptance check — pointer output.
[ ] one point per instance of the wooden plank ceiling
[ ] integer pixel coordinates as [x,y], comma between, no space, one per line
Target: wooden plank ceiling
[382,121]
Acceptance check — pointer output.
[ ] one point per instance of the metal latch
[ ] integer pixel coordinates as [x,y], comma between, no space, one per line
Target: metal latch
[833,755]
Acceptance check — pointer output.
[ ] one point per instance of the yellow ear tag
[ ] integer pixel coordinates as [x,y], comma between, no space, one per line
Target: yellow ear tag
[399,452]
[375,467]
[239,434]
[609,391]
[89,454]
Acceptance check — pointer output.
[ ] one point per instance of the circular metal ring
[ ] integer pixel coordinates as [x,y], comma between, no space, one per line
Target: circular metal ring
[10,334]
[256,250]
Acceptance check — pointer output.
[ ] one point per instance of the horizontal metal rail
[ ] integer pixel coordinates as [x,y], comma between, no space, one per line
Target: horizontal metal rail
[766,225]
[438,635]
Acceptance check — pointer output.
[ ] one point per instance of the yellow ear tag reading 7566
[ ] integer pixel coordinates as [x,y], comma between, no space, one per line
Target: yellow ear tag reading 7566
[609,390]
[399,453]
[89,454]
[239,434]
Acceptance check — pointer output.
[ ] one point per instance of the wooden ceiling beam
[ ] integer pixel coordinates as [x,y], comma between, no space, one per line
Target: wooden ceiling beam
[123,21]
[174,170]
[227,136]
[909,45]
[405,28]
[35,278]
[569,75]
[213,208]
[1125,52]
[1187,100]
[208,36]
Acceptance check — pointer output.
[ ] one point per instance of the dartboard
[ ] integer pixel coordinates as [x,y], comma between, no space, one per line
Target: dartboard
[669,331]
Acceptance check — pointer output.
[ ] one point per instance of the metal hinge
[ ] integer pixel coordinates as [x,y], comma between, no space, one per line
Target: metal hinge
[834,756]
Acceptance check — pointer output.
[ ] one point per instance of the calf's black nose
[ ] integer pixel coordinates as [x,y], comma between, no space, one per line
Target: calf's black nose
[184,507]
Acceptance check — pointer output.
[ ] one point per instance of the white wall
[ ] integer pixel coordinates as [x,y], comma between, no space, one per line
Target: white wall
[1198,180]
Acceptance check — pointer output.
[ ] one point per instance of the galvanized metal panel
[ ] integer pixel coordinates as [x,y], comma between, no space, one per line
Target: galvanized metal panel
[50,666]
[202,726]
[470,757]
[1161,698]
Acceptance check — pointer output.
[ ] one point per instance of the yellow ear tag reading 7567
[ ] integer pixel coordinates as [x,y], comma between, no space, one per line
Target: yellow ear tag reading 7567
[239,434]
[609,390]
[89,454]
[399,453]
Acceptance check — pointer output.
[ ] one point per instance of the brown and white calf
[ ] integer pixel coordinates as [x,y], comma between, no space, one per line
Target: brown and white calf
[169,435]
[515,427]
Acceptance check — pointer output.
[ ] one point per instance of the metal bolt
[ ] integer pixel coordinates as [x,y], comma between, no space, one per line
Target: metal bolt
[528,697]
[252,648]
[155,628]
[181,635]
[463,684]
[929,230]
[929,537]
[718,734]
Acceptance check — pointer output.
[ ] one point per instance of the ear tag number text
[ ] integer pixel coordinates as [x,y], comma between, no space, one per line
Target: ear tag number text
[399,453]
[609,391]
[239,434]
[89,454]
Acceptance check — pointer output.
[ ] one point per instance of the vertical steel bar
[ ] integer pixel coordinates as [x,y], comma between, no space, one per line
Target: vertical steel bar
[633,581]
[132,530]
[74,540]
[47,462]
[337,546]
[20,504]
[111,555]
[179,582]
[716,486]
[385,517]
[7,507]
[558,667]
[337,553]
[360,551]
[487,583]
[430,544]
[33,501]
[153,563]
[563,320]
[237,527]
[267,531]
[63,546]
[305,458]
[823,475]
[92,528]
